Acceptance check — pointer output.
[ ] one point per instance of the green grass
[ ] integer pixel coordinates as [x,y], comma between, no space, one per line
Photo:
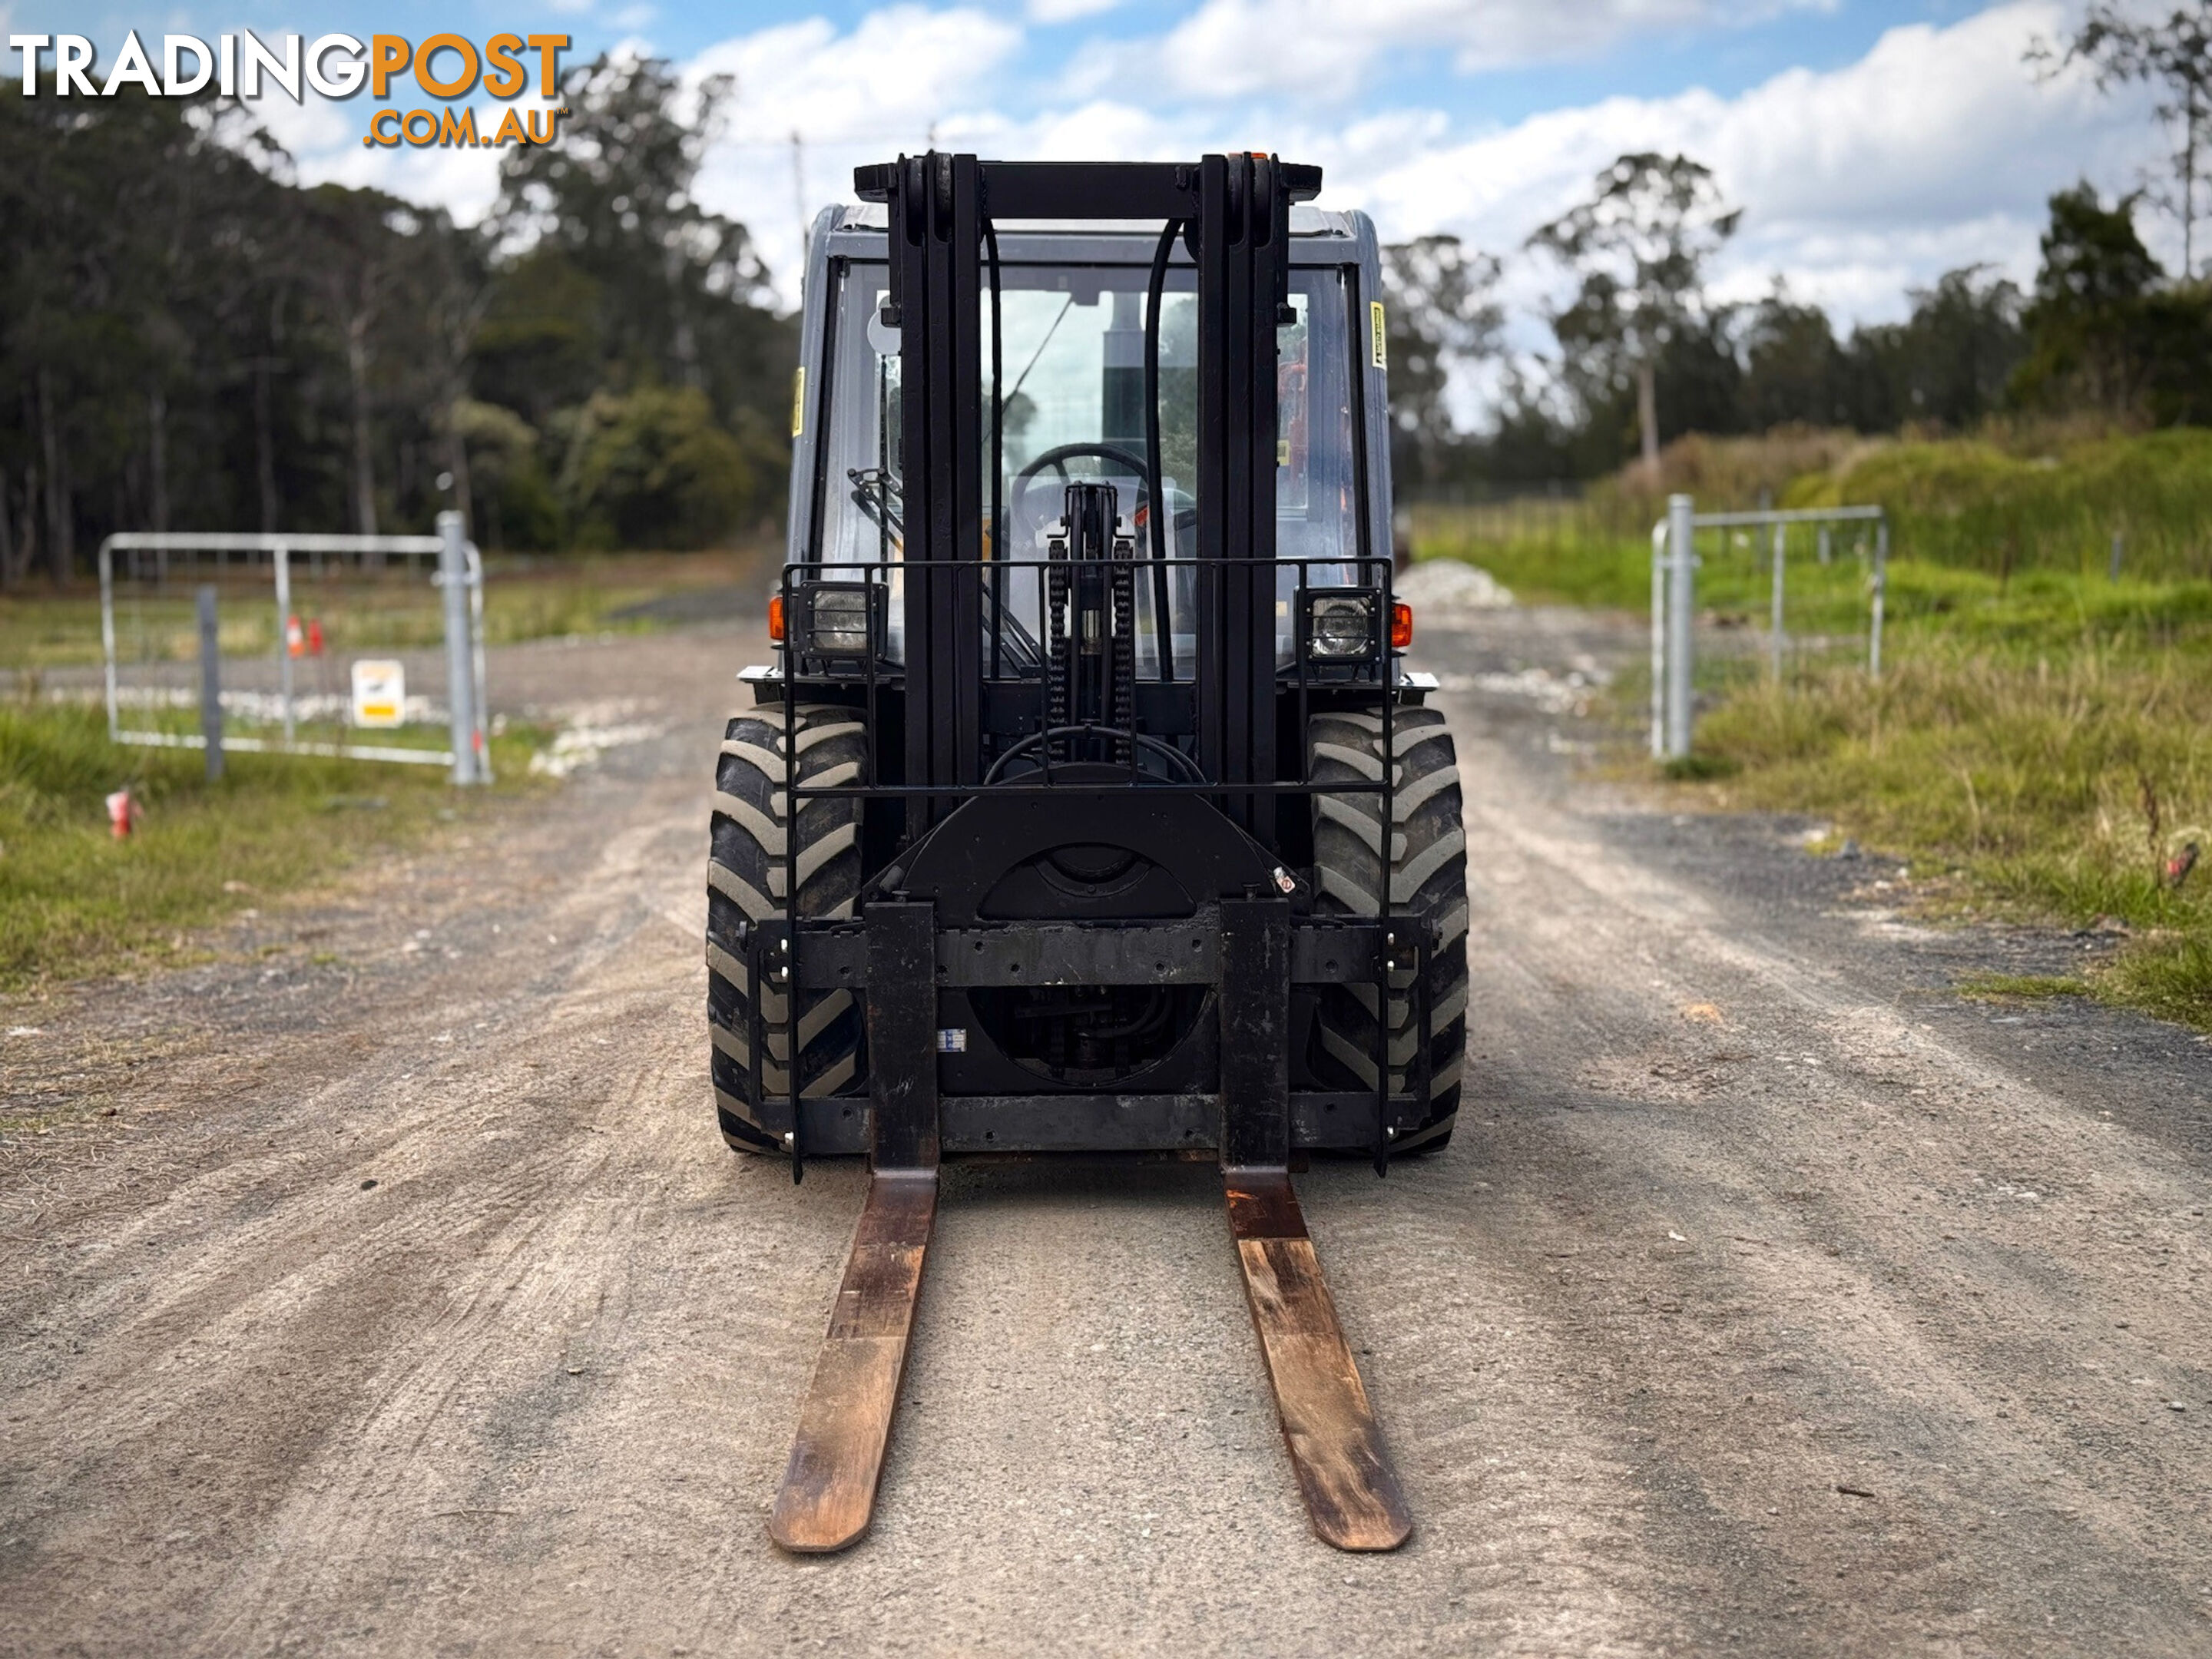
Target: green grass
[2019,987]
[2014,503]
[1975,505]
[1548,553]
[2166,976]
[76,902]
[1563,554]
[1573,560]
[2041,740]
[2050,779]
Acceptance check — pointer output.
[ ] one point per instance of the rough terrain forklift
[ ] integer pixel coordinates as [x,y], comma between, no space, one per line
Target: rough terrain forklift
[1087,806]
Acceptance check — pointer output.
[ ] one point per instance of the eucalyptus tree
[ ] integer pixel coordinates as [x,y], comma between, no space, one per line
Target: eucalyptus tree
[360,247]
[675,285]
[1639,247]
[131,224]
[2173,54]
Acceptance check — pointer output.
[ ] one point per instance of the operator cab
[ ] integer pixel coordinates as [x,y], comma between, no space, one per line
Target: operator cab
[1071,308]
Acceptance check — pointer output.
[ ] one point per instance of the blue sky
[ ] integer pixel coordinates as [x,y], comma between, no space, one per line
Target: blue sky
[1873,143]
[1668,47]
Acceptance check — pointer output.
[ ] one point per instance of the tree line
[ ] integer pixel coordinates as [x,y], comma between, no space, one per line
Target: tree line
[189,340]
[1644,353]
[2105,332]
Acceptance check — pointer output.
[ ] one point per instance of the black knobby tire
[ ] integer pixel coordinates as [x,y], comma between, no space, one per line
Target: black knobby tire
[745,880]
[1428,878]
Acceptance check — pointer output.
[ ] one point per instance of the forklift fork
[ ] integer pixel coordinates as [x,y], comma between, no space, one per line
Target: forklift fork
[829,1490]
[1351,1493]
[827,1495]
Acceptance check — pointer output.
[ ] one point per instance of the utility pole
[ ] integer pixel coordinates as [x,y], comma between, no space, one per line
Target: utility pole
[798,196]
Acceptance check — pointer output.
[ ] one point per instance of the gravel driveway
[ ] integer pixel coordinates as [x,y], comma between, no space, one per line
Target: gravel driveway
[382,1286]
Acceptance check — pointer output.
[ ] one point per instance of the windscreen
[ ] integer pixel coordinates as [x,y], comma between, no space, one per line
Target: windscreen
[1071,360]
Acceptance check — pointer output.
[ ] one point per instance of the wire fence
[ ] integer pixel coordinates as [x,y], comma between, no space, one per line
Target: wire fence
[1843,592]
[368,647]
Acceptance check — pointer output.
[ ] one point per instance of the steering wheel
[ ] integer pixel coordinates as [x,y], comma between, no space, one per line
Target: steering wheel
[1057,459]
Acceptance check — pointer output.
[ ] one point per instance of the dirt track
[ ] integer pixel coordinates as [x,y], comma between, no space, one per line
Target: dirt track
[1771,1296]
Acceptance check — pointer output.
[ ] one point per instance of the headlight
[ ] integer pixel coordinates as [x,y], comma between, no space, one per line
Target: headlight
[840,619]
[1340,623]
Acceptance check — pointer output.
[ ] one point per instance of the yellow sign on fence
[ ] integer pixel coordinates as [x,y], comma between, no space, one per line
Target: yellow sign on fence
[380,693]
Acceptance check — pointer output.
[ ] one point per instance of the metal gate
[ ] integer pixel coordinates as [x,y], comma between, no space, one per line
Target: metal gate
[1673,600]
[301,616]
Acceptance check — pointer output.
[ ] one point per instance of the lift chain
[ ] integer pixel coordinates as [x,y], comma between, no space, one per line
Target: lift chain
[1122,663]
[1056,669]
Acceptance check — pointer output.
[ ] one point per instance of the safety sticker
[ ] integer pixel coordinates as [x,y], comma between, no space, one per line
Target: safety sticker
[380,693]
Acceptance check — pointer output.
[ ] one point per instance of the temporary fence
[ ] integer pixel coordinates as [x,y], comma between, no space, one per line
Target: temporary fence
[1674,563]
[367,648]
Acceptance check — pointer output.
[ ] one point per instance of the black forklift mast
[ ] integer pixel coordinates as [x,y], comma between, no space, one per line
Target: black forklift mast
[1235,215]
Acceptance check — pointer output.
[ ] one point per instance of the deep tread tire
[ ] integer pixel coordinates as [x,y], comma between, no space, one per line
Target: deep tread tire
[745,882]
[1427,857]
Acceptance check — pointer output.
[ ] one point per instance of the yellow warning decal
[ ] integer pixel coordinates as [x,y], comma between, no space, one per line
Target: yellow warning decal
[799,400]
[1377,335]
[380,692]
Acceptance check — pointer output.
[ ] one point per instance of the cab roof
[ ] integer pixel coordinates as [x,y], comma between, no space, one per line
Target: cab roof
[1319,236]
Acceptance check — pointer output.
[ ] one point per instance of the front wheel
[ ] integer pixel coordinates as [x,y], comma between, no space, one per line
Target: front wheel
[1425,867]
[748,872]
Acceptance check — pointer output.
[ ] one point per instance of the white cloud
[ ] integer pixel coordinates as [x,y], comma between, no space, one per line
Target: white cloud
[853,97]
[325,139]
[1067,11]
[898,75]
[1937,148]
[897,70]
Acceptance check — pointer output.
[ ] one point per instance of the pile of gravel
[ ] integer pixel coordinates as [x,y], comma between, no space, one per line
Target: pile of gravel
[1443,586]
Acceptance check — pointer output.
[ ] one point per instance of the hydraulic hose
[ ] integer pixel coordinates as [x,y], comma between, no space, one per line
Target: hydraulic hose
[1176,759]
[998,458]
[1160,515]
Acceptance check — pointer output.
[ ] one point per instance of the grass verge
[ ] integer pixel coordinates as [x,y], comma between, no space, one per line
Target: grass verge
[1548,552]
[2019,987]
[2053,786]
[2066,505]
[76,902]
[2041,739]
[2013,500]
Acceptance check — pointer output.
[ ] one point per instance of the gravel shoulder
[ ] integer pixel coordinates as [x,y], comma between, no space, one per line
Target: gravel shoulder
[1771,1297]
